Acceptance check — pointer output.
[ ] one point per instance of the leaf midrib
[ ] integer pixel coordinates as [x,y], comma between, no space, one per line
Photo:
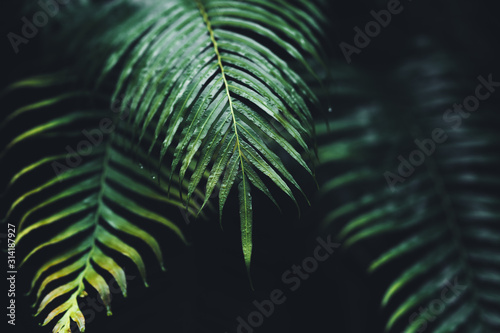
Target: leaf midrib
[245,222]
[224,79]
[97,214]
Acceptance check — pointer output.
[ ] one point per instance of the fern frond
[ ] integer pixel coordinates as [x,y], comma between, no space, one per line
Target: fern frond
[212,82]
[439,228]
[89,210]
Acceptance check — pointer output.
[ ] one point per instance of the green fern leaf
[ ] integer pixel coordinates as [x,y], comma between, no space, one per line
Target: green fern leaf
[439,226]
[90,205]
[209,78]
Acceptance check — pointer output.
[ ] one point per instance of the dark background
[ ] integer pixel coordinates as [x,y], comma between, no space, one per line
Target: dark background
[205,287]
